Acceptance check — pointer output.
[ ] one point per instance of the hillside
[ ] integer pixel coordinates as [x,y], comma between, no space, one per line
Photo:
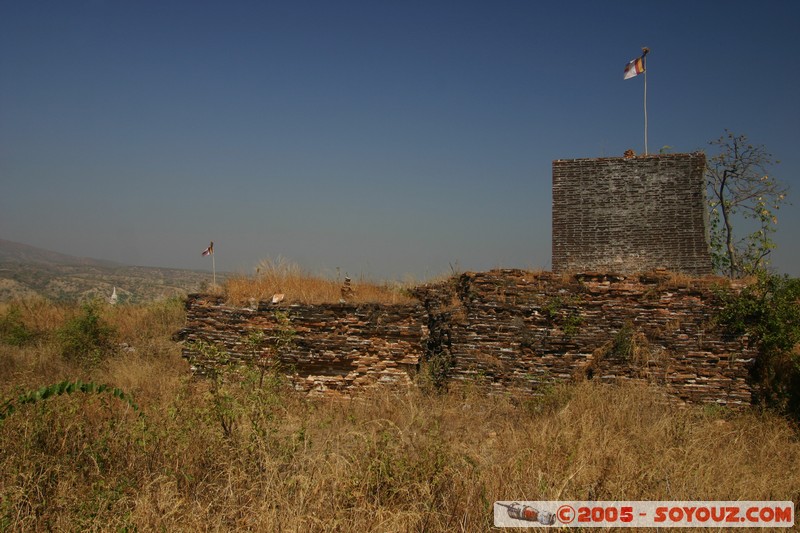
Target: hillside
[17,252]
[27,271]
[242,453]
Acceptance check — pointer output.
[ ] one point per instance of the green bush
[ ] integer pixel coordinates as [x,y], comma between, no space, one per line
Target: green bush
[13,330]
[768,311]
[57,389]
[87,339]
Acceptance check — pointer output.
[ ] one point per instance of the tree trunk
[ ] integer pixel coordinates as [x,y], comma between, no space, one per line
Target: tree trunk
[733,267]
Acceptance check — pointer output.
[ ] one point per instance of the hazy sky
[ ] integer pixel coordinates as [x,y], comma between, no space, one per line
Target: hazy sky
[384,138]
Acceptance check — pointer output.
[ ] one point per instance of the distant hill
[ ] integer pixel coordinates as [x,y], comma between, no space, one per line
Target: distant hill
[16,252]
[27,271]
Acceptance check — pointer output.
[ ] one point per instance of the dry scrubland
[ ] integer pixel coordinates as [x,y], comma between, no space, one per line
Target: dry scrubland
[237,456]
[298,286]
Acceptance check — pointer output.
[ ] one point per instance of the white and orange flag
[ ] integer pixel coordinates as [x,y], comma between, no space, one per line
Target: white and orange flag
[636,67]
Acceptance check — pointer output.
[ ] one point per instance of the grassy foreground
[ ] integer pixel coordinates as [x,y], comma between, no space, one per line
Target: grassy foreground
[236,456]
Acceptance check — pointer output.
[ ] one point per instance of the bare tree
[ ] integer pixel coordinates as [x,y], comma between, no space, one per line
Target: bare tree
[742,191]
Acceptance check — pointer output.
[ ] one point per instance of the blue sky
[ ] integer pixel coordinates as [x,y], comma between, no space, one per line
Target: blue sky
[388,139]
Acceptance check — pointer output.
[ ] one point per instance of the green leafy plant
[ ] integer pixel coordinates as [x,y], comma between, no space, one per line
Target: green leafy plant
[220,371]
[233,382]
[255,343]
[266,350]
[768,311]
[741,191]
[63,387]
[283,336]
[564,313]
[13,330]
[87,339]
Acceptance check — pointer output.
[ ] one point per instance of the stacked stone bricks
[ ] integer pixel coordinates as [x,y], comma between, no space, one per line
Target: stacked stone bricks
[508,330]
[630,215]
[334,347]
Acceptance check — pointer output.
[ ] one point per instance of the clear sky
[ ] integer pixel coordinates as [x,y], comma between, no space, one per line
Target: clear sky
[388,139]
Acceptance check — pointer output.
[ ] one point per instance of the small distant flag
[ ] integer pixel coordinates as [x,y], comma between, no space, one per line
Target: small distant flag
[635,67]
[209,250]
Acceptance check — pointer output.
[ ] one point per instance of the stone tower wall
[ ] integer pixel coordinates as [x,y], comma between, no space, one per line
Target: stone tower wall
[629,215]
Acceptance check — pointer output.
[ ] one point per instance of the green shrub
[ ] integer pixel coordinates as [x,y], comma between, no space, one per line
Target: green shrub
[768,311]
[87,339]
[13,330]
[57,389]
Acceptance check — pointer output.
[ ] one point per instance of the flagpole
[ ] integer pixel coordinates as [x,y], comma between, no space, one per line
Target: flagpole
[632,69]
[210,251]
[645,111]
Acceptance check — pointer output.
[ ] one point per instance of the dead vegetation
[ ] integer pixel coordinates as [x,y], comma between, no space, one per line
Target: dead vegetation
[242,457]
[300,286]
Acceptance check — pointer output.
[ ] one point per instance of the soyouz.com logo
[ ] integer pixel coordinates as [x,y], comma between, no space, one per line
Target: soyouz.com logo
[643,514]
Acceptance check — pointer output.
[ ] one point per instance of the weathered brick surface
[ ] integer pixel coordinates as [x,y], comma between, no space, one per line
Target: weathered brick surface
[508,329]
[514,330]
[630,215]
[335,347]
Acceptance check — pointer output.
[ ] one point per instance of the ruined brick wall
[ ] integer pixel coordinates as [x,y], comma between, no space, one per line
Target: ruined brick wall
[505,329]
[513,330]
[334,347]
[629,215]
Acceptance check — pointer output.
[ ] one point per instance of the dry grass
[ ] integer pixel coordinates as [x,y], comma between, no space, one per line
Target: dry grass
[38,313]
[678,280]
[299,286]
[393,461]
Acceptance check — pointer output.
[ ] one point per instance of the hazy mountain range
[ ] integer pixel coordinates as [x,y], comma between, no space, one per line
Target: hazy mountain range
[27,271]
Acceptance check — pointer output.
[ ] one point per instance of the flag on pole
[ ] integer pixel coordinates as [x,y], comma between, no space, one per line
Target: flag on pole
[210,251]
[635,67]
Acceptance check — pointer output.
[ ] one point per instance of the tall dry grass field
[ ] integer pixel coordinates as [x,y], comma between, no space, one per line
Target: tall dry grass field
[233,456]
[299,286]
